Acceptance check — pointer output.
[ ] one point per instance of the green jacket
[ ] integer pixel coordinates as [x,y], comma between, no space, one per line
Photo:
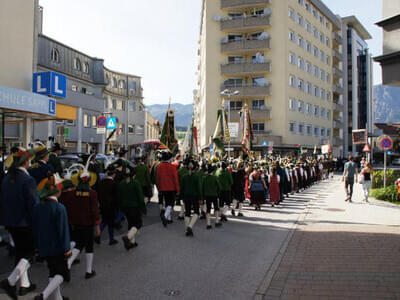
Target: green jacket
[143,175]
[130,194]
[211,187]
[182,172]
[55,161]
[191,186]
[225,179]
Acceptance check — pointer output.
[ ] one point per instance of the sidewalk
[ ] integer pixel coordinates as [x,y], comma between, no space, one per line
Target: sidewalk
[341,251]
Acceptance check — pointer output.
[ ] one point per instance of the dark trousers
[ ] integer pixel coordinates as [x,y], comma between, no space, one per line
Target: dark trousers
[168,197]
[212,200]
[84,237]
[191,202]
[24,243]
[58,265]
[349,182]
[134,217]
[224,198]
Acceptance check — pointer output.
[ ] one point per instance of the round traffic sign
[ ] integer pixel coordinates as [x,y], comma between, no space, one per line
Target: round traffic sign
[386,143]
[101,121]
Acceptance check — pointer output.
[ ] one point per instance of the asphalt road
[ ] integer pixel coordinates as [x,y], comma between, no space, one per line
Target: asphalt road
[223,263]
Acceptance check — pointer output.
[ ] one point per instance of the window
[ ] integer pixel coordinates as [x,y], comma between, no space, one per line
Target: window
[316,110]
[292,36]
[74,88]
[300,20]
[323,94]
[322,19]
[322,37]
[258,127]
[328,114]
[70,122]
[309,27]
[307,6]
[77,64]
[140,129]
[300,84]
[300,63]
[309,108]
[83,90]
[316,71]
[323,74]
[55,55]
[300,41]
[292,127]
[327,41]
[316,51]
[315,13]
[301,128]
[316,91]
[316,32]
[257,105]
[131,129]
[235,59]
[300,106]
[292,14]
[292,104]
[131,106]
[328,60]
[316,131]
[328,133]
[234,82]
[309,47]
[259,81]
[235,105]
[328,78]
[323,113]
[114,104]
[122,127]
[122,84]
[85,120]
[328,96]
[322,131]
[94,121]
[255,59]
[292,58]
[322,55]
[86,68]
[120,105]
[301,2]
[292,81]
[114,82]
[309,67]
[132,85]
[309,88]
[309,129]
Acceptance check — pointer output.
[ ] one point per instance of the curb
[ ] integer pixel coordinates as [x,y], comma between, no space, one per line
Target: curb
[265,283]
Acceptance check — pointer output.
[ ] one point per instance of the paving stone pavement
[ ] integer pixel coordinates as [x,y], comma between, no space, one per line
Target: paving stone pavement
[341,251]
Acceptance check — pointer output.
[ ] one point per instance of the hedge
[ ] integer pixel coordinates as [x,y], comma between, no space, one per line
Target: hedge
[386,194]
[391,177]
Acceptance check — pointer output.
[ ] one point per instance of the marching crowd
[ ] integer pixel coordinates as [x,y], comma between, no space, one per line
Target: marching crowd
[53,215]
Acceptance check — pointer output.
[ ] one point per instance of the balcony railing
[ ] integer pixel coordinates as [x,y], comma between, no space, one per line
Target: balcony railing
[251,22]
[242,3]
[337,124]
[245,68]
[262,132]
[245,45]
[338,89]
[337,55]
[337,106]
[248,90]
[337,38]
[337,72]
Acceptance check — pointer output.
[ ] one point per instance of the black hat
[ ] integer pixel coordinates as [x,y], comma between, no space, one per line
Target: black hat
[122,152]
[166,155]
[56,147]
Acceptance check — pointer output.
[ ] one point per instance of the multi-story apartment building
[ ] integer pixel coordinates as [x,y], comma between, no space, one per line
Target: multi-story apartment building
[390,58]
[282,58]
[357,82]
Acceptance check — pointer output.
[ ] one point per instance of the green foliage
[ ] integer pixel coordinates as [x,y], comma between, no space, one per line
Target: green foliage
[386,194]
[391,177]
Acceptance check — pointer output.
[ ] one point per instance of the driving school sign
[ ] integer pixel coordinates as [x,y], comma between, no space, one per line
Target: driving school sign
[360,137]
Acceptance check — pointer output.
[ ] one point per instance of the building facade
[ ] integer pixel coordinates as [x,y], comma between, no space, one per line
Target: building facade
[390,58]
[284,60]
[357,96]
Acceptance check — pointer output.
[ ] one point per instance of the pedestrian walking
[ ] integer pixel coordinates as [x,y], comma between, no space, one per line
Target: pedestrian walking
[350,172]
[257,189]
[273,181]
[239,181]
[366,179]
[211,190]
[225,180]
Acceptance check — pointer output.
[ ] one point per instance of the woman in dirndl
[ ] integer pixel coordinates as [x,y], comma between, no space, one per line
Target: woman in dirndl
[274,193]
[257,189]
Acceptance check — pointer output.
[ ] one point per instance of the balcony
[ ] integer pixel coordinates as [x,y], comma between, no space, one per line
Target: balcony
[337,56]
[251,22]
[337,123]
[337,38]
[261,113]
[264,132]
[337,72]
[228,4]
[337,89]
[248,90]
[243,68]
[337,106]
[245,45]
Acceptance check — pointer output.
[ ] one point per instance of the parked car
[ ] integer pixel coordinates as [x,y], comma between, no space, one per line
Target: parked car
[68,159]
[396,161]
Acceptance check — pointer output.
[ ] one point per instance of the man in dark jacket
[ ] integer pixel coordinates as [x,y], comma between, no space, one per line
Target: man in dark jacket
[18,199]
[41,169]
[51,231]
[54,160]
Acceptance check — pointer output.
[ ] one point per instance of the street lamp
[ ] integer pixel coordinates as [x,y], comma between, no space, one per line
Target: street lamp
[228,93]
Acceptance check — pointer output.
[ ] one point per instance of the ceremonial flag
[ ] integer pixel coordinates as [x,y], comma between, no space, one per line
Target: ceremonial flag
[190,142]
[218,137]
[247,132]
[168,132]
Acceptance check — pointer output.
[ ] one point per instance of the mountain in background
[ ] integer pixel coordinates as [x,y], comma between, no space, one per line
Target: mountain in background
[386,104]
[183,113]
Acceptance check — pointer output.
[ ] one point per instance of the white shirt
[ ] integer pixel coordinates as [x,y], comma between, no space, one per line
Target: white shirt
[23,170]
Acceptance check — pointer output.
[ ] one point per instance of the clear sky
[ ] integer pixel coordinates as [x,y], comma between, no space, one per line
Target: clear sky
[157,39]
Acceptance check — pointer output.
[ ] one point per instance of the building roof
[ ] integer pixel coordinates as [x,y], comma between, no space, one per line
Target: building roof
[388,58]
[352,21]
[327,12]
[389,21]
[389,128]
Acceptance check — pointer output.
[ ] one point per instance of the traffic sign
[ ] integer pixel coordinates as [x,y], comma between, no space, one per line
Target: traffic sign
[101,121]
[386,143]
[366,148]
[111,123]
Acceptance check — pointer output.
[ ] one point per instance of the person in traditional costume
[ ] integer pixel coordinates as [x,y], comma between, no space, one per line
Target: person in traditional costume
[143,177]
[18,199]
[182,172]
[168,186]
[191,191]
[225,180]
[54,159]
[211,190]
[239,181]
[274,193]
[257,189]
[40,169]
[51,231]
[131,198]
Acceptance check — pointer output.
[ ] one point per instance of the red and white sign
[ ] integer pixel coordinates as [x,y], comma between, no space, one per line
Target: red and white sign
[101,121]
[385,143]
[366,148]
